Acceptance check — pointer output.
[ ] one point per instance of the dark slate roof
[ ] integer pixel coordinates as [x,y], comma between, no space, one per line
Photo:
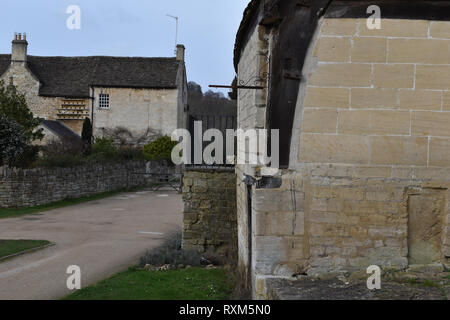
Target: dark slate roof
[249,14]
[60,129]
[71,77]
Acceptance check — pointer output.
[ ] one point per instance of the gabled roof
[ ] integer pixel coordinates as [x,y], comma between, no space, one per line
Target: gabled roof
[71,77]
[60,129]
[249,14]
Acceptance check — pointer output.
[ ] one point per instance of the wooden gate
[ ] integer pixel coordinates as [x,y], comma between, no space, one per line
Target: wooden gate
[212,119]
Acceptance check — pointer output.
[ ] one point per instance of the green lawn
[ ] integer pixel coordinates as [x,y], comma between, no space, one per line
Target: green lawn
[135,284]
[11,247]
[13,212]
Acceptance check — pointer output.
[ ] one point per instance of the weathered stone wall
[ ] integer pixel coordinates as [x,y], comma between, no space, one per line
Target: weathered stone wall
[342,218]
[378,102]
[137,110]
[369,176]
[371,155]
[251,110]
[27,84]
[379,97]
[75,125]
[242,227]
[210,211]
[182,97]
[24,188]
[251,114]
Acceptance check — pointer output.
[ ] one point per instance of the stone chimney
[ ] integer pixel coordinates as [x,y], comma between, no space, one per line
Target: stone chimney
[180,52]
[19,49]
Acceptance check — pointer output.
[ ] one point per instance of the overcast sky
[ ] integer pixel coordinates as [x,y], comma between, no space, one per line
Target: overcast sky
[131,28]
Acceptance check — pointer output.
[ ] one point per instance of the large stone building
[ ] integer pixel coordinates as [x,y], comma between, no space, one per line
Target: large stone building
[126,92]
[364,137]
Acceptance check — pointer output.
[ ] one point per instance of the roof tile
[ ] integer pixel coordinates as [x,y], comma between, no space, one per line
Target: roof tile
[71,77]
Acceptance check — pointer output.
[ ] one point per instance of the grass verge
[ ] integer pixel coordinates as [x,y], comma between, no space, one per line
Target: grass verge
[9,248]
[181,284]
[16,212]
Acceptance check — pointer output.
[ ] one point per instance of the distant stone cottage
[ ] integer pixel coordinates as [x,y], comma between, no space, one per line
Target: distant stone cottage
[364,119]
[133,93]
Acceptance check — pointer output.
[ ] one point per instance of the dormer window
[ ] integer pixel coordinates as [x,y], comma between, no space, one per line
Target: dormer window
[103,101]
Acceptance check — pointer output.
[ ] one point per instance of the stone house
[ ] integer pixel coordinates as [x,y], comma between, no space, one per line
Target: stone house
[364,127]
[129,92]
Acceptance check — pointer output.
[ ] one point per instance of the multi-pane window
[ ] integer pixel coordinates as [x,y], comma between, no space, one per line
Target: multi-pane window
[103,101]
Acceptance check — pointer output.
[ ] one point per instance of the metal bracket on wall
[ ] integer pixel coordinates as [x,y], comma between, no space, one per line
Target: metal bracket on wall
[303,3]
[258,81]
[264,182]
[263,75]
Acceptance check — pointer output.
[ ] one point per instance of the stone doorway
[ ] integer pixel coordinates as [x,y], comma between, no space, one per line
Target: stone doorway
[425,226]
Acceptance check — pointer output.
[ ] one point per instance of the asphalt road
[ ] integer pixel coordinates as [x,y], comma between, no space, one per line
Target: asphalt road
[102,237]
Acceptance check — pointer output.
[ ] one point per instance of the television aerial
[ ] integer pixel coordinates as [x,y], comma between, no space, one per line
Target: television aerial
[176,31]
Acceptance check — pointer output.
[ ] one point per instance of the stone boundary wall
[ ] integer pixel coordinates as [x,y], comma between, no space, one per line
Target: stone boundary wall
[330,219]
[32,187]
[209,222]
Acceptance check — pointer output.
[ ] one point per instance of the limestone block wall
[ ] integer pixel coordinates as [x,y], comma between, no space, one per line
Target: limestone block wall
[137,110]
[280,245]
[331,218]
[209,221]
[369,179]
[24,188]
[27,84]
[243,249]
[251,110]
[74,125]
[373,138]
[182,118]
[251,114]
[379,97]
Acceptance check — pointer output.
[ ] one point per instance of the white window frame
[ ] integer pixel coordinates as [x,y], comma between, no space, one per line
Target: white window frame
[103,101]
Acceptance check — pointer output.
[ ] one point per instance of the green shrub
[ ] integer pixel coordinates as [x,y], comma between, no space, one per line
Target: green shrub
[12,141]
[66,154]
[86,136]
[128,153]
[27,158]
[14,106]
[61,161]
[63,153]
[105,147]
[160,149]
[86,133]
[171,253]
[63,147]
